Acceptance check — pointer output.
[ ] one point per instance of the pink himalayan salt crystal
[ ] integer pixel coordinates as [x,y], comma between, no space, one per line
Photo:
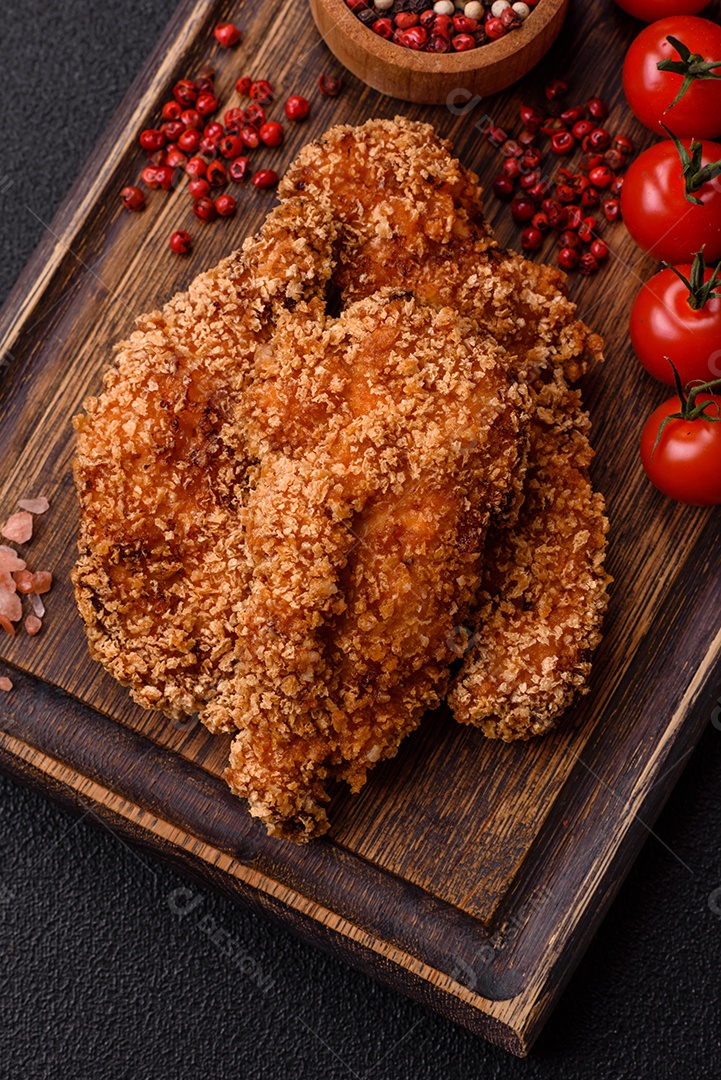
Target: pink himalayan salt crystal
[7,581]
[23,581]
[42,580]
[10,560]
[37,605]
[7,625]
[5,683]
[33,625]
[10,606]
[18,527]
[34,506]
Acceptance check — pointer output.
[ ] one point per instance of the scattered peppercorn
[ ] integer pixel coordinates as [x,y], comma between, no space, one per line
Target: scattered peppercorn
[180,242]
[227,35]
[297,108]
[132,198]
[265,178]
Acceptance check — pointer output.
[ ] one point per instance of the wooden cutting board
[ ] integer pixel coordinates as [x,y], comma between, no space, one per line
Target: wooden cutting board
[468,874]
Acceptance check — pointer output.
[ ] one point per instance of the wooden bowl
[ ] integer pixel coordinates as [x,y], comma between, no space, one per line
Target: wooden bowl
[431,78]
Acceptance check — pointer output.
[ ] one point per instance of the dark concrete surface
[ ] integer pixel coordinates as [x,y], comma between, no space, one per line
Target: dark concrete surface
[100,980]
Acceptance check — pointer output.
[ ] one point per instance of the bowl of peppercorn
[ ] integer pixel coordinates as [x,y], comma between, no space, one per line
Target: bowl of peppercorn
[426,51]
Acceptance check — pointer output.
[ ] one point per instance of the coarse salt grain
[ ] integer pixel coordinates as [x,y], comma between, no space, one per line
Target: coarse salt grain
[37,605]
[18,527]
[42,580]
[5,683]
[34,506]
[10,560]
[10,606]
[33,625]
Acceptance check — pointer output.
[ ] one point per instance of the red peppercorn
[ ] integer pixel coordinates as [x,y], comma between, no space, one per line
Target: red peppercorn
[590,161]
[180,242]
[540,221]
[562,143]
[464,24]
[443,24]
[207,103]
[227,35]
[265,178]
[569,239]
[176,158]
[531,239]
[552,125]
[616,186]
[590,198]
[586,231]
[512,168]
[615,159]
[225,205]
[234,119]
[599,139]
[588,264]
[199,188]
[172,129]
[204,82]
[599,250]
[152,139]
[383,28]
[565,193]
[262,92]
[574,217]
[522,208]
[132,198]
[531,117]
[438,43]
[204,209]
[231,146]
[540,191]
[149,177]
[255,114]
[573,115]
[243,85]
[530,179]
[503,186]
[406,19]
[330,85]
[511,148]
[216,131]
[297,107]
[494,29]
[414,38]
[271,133]
[509,18]
[185,92]
[238,169]
[555,89]
[216,174]
[171,110]
[164,177]
[208,147]
[601,176]
[531,159]
[250,137]
[611,209]
[568,258]
[496,136]
[550,206]
[428,18]
[623,144]
[195,168]
[583,128]
[191,118]
[189,141]
[597,109]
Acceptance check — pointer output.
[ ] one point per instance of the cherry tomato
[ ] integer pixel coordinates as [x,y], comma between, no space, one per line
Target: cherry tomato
[651,93]
[665,324]
[649,10]
[659,216]
[685,463]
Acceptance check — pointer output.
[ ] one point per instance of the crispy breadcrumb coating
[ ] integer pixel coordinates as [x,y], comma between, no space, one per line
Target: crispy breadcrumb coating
[288,516]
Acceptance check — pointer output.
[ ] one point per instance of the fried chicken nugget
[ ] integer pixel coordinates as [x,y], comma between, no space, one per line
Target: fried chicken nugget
[162,471]
[427,231]
[389,437]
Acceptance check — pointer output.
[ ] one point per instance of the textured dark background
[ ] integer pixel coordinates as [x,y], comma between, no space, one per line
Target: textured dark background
[100,979]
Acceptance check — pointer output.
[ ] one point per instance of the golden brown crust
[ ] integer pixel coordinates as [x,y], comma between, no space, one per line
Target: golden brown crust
[285,514]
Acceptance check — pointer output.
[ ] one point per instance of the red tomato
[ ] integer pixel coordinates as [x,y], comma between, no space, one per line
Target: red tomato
[657,213]
[686,462]
[648,10]
[650,92]
[665,326]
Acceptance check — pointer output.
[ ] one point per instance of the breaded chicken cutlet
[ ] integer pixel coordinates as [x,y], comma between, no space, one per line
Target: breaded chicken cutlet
[286,516]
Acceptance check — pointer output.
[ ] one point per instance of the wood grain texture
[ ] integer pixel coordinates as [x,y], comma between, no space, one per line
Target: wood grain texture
[429,78]
[469,874]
